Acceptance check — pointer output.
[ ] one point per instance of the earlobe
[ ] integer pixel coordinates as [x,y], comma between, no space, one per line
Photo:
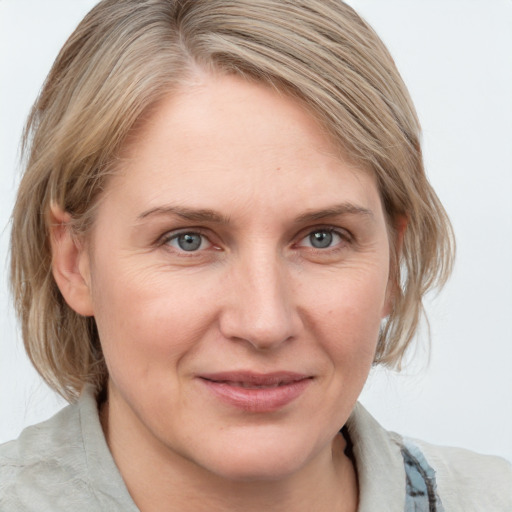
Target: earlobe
[70,263]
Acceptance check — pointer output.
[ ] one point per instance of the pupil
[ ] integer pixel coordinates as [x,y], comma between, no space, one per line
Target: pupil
[189,241]
[321,239]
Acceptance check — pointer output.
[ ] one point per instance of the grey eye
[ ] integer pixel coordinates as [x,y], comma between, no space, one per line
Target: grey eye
[321,239]
[187,241]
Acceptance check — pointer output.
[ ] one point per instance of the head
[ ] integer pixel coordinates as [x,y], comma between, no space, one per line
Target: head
[126,58]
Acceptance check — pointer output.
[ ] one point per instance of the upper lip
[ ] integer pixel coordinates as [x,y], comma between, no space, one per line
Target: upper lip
[255,378]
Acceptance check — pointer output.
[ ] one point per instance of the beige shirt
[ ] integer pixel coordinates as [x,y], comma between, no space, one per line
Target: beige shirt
[64,464]
[466,481]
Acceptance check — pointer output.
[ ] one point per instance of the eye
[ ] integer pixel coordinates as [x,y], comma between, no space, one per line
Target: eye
[322,239]
[189,241]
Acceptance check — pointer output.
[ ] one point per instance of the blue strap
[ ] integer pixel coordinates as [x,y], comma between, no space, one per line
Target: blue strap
[421,495]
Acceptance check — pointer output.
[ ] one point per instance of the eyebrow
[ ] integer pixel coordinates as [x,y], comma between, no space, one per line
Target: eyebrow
[335,211]
[192,214]
[208,215]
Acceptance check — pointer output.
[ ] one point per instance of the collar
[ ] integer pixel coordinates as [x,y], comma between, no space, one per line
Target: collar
[379,464]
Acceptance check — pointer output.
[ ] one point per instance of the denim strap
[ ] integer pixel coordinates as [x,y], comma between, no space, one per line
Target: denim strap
[421,494]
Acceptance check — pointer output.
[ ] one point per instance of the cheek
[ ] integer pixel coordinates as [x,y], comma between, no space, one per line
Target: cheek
[345,309]
[148,319]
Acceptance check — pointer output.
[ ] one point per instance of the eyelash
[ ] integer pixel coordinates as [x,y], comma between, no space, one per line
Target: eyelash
[344,235]
[174,235]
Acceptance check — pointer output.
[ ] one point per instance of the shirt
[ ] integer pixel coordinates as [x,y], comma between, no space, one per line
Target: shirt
[64,464]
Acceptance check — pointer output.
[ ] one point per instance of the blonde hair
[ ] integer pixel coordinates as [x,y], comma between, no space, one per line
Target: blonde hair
[125,56]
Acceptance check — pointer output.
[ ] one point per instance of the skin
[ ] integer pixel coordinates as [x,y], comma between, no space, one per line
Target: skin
[255,296]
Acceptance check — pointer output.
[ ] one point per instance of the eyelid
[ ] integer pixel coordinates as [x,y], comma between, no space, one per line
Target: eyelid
[342,232]
[172,234]
[168,236]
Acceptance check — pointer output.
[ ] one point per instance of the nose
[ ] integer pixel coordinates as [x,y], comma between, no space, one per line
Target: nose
[259,307]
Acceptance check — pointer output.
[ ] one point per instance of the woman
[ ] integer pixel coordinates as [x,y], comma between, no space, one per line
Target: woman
[227,223]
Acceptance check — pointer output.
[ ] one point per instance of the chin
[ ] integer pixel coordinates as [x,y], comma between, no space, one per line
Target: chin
[257,459]
[250,470]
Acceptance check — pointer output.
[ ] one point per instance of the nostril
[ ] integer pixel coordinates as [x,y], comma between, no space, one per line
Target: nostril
[262,332]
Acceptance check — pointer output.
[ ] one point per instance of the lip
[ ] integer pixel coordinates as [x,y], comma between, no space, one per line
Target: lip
[256,392]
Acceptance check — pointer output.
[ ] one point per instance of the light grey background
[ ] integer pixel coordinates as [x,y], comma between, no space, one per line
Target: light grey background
[456,57]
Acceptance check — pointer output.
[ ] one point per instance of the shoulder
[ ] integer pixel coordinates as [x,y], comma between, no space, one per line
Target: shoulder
[36,467]
[63,464]
[469,481]
[394,470]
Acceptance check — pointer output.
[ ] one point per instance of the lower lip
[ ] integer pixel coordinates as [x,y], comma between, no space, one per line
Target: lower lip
[258,399]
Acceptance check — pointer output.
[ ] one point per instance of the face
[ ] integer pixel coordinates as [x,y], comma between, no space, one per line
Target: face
[238,273]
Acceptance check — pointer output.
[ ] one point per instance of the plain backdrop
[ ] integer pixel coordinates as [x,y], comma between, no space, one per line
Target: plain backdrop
[456,58]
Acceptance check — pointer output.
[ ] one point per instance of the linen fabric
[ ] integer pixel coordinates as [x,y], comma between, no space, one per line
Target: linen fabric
[64,464]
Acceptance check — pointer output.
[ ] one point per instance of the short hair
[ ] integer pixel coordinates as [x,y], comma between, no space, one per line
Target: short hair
[126,56]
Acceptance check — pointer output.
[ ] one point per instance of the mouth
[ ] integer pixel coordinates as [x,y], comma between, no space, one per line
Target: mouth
[254,392]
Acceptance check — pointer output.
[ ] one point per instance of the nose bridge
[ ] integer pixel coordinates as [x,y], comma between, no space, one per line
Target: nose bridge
[261,309]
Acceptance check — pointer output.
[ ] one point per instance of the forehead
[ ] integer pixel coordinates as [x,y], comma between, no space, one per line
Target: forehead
[223,136]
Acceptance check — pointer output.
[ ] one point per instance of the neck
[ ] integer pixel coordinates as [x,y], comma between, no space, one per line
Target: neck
[162,480]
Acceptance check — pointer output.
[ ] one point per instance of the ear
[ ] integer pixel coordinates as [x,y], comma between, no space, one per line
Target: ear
[395,246]
[70,263]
